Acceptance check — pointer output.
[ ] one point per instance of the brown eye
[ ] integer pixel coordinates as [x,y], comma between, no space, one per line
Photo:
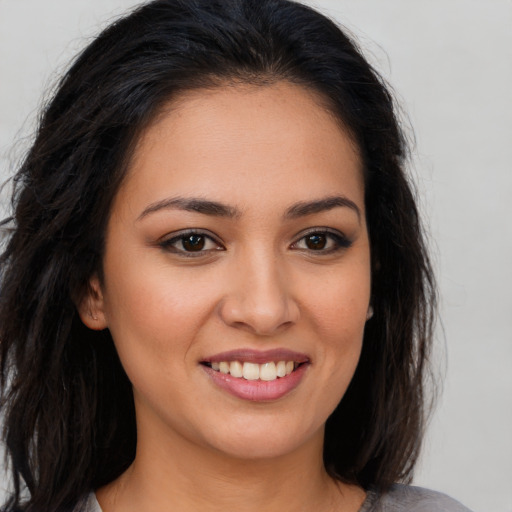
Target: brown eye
[322,242]
[193,243]
[316,241]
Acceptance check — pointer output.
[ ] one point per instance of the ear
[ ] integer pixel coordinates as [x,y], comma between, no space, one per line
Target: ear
[91,307]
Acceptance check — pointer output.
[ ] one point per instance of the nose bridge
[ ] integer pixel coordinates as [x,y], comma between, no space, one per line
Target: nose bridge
[260,298]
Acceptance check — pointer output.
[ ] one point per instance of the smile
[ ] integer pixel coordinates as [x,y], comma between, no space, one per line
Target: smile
[257,376]
[253,371]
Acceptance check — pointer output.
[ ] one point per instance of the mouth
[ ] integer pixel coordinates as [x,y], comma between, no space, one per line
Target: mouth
[255,375]
[267,371]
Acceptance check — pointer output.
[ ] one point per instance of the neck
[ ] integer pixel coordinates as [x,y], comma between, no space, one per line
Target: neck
[180,475]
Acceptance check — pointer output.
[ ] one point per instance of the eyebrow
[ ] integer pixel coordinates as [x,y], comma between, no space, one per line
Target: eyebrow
[321,205]
[216,209]
[192,204]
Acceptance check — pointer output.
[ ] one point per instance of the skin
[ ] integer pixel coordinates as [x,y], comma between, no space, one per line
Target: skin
[256,285]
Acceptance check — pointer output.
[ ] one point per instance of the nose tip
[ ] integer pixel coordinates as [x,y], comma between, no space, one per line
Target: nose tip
[263,321]
[263,307]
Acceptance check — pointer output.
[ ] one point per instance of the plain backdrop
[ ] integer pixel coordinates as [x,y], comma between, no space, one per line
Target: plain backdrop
[450,63]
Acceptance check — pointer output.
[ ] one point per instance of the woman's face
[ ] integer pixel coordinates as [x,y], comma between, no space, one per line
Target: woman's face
[237,252]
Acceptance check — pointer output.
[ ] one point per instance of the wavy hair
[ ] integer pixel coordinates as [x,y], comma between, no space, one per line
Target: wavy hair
[67,403]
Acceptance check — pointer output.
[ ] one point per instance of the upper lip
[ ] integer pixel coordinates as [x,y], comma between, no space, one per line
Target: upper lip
[258,356]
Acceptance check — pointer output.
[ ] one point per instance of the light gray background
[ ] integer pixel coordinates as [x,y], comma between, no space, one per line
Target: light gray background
[450,62]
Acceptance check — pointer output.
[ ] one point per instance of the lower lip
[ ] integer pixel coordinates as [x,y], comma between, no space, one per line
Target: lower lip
[258,390]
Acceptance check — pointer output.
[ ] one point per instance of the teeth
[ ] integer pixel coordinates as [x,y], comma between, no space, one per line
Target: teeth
[236,369]
[280,369]
[253,371]
[268,371]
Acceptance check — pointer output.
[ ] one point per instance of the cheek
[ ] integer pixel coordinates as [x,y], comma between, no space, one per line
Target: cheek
[154,311]
[154,319]
[339,302]
[148,290]
[337,312]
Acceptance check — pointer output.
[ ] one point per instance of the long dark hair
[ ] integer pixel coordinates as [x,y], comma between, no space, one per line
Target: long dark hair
[68,405]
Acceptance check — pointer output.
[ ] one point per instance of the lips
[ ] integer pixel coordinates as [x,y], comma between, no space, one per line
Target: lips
[255,375]
[254,371]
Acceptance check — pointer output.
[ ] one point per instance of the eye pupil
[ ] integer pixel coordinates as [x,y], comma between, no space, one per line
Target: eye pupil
[316,241]
[193,242]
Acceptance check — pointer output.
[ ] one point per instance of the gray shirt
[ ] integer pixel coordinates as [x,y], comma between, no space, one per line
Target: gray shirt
[400,498]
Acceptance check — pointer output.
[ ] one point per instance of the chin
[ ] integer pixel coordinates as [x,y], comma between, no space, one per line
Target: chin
[260,443]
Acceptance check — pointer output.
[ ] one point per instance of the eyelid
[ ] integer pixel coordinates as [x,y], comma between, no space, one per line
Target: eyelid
[342,241]
[166,242]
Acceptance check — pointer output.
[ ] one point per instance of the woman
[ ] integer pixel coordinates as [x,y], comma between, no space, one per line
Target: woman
[216,292]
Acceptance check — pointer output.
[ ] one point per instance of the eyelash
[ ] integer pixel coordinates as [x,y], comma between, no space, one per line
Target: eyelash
[338,240]
[168,244]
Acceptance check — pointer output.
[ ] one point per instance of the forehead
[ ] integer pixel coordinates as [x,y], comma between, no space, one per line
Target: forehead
[229,140]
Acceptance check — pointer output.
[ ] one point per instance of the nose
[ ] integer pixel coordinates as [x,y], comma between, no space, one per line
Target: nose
[259,299]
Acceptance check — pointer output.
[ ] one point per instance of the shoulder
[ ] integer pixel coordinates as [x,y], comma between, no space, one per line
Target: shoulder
[88,504]
[405,498]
